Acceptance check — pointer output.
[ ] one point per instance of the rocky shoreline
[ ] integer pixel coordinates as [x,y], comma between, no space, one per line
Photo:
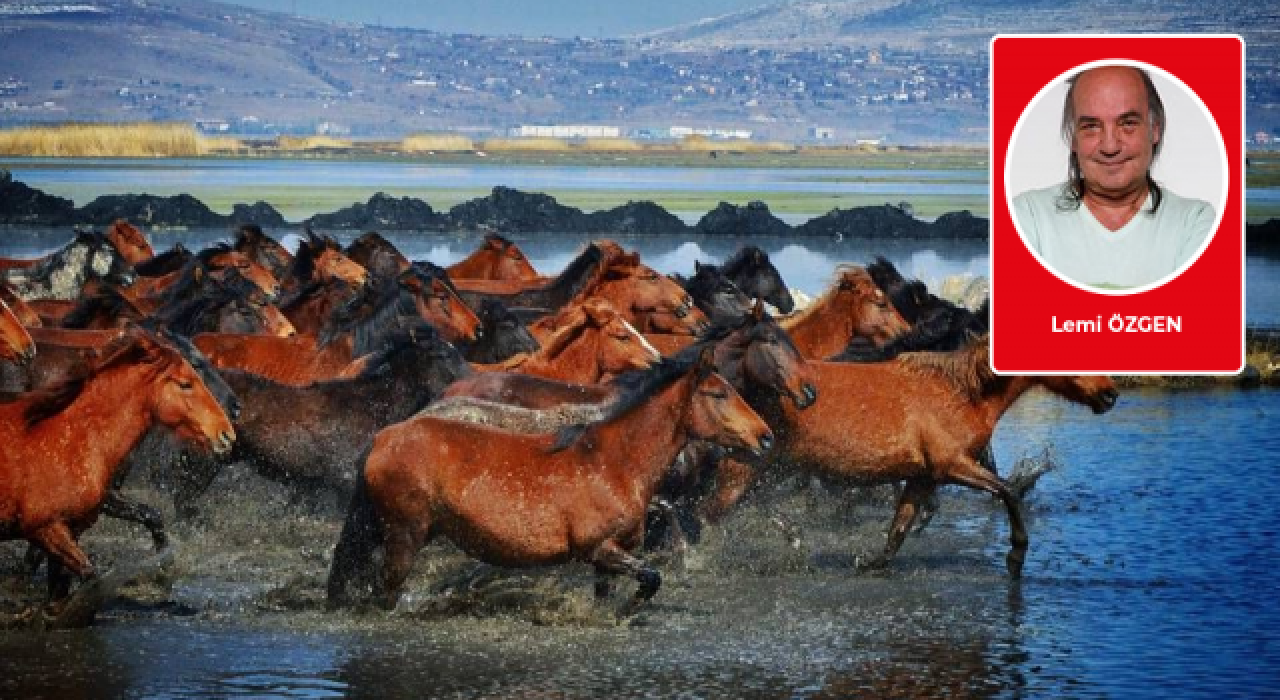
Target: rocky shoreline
[505,209]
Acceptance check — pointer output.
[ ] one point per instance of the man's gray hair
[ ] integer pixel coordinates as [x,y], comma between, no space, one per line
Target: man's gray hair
[1074,193]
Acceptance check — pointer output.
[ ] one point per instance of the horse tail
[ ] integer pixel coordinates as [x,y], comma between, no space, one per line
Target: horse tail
[354,574]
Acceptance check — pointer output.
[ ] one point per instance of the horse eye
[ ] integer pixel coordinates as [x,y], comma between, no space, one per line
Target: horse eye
[185,385]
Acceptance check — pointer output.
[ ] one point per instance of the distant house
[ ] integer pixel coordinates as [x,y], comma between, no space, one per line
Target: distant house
[822,133]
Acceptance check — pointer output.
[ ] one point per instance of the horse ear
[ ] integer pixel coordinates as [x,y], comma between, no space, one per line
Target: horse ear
[757,311]
[757,256]
[697,267]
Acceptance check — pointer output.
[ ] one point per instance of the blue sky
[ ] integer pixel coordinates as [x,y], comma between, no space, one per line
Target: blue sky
[562,18]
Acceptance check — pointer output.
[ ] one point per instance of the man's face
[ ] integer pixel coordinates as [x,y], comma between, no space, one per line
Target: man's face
[1112,138]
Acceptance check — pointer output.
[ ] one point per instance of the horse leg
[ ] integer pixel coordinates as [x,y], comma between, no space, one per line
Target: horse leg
[64,553]
[195,473]
[968,472]
[611,558]
[401,545]
[915,492]
[121,508]
[928,509]
[733,477]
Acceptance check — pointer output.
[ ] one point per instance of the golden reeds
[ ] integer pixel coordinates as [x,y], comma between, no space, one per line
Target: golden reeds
[124,140]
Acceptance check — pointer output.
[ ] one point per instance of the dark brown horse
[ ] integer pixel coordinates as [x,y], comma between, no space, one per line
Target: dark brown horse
[16,345]
[320,260]
[751,271]
[503,335]
[853,307]
[922,418]
[55,477]
[531,500]
[263,250]
[310,437]
[496,259]
[377,255]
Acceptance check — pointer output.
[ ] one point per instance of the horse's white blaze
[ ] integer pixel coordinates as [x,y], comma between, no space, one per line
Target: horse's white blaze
[644,343]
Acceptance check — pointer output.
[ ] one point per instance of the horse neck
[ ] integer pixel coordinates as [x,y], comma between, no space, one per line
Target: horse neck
[819,332]
[1001,393]
[470,268]
[113,409]
[645,440]
[576,362]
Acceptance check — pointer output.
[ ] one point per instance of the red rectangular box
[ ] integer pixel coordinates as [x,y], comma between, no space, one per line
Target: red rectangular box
[1191,324]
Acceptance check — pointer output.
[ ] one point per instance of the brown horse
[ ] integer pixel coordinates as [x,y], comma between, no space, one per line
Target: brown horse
[26,315]
[130,241]
[529,500]
[55,478]
[853,307]
[417,295]
[496,259]
[321,260]
[592,343]
[16,345]
[922,418]
[263,250]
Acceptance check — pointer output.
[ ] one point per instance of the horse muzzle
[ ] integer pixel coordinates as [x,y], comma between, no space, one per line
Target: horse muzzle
[1105,401]
[808,394]
[224,442]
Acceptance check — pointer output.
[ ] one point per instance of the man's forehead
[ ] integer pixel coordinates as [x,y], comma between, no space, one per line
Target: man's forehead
[1114,90]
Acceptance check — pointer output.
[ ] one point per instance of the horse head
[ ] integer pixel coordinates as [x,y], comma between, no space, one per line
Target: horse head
[758,353]
[869,311]
[377,255]
[752,271]
[503,335]
[223,257]
[130,242]
[718,414]
[263,250]
[438,303]
[715,294]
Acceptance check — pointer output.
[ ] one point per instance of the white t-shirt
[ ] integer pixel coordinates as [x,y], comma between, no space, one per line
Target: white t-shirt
[1147,249]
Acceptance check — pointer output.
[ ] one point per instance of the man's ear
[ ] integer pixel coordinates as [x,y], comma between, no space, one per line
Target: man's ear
[1155,135]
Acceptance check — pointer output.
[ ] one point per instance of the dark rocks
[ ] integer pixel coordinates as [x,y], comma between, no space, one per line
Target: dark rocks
[259,213]
[960,224]
[885,221]
[383,212]
[20,204]
[634,217]
[511,211]
[890,221]
[1263,236]
[755,219]
[149,210]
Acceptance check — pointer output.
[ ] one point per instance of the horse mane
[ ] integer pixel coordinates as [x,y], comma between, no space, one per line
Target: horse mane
[427,271]
[909,296]
[164,263]
[402,339]
[48,402]
[248,233]
[304,262]
[744,257]
[370,318]
[582,273]
[501,240]
[819,304]
[634,388]
[967,369]
[207,255]
[185,315]
[109,300]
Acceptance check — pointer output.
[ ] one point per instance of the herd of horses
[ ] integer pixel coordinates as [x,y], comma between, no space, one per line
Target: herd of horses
[529,419]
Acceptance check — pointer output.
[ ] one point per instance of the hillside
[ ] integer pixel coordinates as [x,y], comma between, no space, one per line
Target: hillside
[905,71]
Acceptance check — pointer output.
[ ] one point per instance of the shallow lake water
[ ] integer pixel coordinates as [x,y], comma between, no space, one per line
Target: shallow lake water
[1149,572]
